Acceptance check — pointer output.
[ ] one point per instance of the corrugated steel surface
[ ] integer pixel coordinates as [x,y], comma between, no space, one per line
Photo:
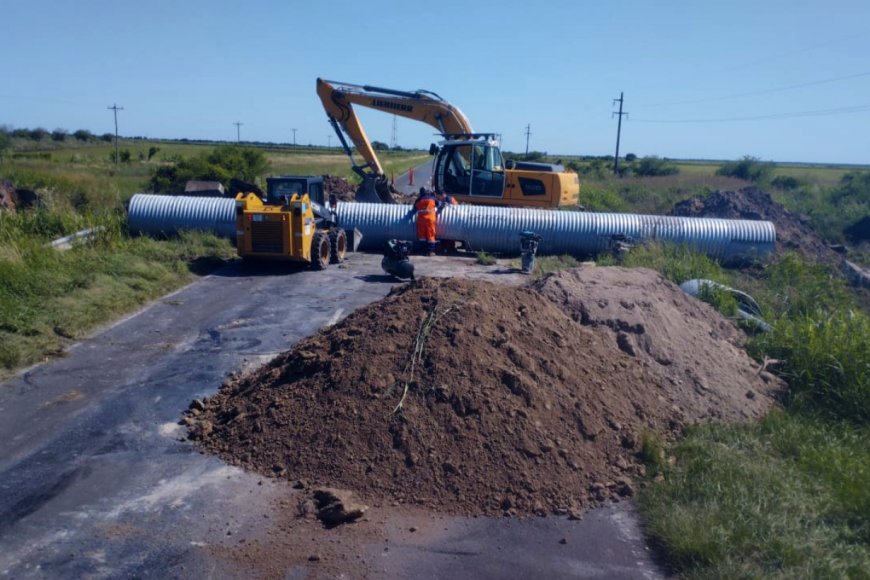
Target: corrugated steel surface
[496,229]
[493,229]
[169,214]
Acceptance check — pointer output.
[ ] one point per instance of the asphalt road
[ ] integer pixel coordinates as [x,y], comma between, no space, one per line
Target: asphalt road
[97,480]
[422,178]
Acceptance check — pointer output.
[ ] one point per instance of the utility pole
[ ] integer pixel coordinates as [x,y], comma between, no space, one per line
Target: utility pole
[618,132]
[528,132]
[115,108]
[394,136]
[329,141]
[294,137]
[238,132]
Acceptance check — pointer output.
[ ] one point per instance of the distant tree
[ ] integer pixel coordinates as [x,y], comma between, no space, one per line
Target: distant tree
[59,135]
[380,146]
[152,151]
[38,134]
[630,157]
[83,135]
[654,166]
[21,133]
[748,168]
[534,155]
[108,137]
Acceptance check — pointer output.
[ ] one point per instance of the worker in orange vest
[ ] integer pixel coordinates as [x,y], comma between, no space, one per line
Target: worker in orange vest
[426,207]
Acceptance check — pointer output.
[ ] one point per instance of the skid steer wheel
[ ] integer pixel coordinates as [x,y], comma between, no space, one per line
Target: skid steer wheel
[320,251]
[337,245]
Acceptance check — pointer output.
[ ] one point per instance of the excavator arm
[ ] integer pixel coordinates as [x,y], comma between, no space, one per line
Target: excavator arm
[339,99]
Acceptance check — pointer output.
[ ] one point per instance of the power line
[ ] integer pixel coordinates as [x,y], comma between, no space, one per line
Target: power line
[791,115]
[809,48]
[763,91]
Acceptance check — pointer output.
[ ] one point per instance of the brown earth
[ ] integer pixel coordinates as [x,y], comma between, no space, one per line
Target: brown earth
[340,187]
[522,400]
[793,231]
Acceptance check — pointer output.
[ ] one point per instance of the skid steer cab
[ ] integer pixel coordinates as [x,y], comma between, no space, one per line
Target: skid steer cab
[291,222]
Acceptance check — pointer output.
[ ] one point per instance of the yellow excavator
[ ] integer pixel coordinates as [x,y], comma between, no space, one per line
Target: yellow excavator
[467,165]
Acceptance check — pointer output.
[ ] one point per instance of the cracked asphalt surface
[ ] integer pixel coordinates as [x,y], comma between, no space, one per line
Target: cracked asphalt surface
[97,480]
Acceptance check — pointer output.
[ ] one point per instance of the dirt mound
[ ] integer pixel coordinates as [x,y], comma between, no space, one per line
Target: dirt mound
[695,354]
[340,187]
[507,403]
[793,232]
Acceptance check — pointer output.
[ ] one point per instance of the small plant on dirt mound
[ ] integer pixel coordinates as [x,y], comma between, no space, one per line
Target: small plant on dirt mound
[485,259]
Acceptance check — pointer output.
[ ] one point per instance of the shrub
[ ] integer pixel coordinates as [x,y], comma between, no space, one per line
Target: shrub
[224,163]
[107,137]
[83,135]
[748,168]
[654,166]
[152,151]
[786,182]
[59,135]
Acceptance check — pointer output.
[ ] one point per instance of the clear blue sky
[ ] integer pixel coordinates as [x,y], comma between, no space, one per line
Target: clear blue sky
[191,68]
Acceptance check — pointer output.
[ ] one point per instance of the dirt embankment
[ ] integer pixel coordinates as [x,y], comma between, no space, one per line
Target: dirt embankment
[793,231]
[529,400]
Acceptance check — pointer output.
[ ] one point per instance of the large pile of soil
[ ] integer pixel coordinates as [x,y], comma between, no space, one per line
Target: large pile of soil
[522,400]
[793,232]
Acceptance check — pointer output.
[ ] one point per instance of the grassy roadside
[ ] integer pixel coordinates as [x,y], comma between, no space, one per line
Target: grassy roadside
[49,297]
[788,497]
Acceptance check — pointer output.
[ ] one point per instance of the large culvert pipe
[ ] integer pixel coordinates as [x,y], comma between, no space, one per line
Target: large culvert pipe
[493,229]
[169,214]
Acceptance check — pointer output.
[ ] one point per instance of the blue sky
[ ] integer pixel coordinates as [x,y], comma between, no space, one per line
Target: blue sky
[192,68]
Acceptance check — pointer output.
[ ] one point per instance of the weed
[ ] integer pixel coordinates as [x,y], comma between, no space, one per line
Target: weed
[485,259]
[677,263]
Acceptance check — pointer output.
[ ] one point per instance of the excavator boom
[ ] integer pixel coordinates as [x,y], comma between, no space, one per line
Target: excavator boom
[427,107]
[467,165]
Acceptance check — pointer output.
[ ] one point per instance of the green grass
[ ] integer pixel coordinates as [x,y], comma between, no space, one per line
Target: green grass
[786,498]
[48,297]
[677,263]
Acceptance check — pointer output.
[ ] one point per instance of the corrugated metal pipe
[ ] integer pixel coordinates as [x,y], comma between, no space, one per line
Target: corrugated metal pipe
[492,229]
[169,214]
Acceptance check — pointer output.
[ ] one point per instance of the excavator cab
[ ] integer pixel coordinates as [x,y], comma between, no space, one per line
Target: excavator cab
[469,165]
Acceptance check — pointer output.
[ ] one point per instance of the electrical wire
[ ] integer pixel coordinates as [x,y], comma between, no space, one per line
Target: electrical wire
[791,115]
[763,91]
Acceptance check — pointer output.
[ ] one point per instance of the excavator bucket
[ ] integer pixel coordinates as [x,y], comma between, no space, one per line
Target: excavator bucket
[374,190]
